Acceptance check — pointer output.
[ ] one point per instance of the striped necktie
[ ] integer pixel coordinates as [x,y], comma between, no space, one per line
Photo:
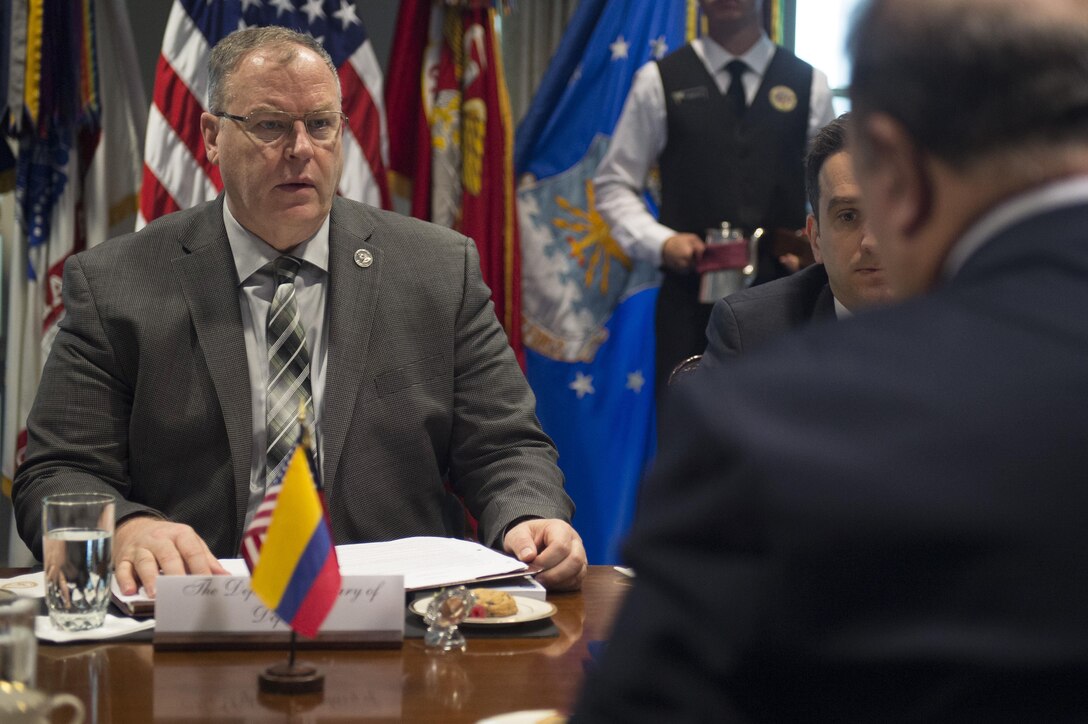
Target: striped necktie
[288,367]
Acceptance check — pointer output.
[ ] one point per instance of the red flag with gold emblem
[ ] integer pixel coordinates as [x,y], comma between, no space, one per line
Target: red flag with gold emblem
[454,145]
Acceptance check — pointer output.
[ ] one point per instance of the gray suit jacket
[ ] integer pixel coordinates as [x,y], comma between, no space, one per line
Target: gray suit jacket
[146,392]
[749,319]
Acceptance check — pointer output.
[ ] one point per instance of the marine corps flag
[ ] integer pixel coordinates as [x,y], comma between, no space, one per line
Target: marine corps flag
[451,137]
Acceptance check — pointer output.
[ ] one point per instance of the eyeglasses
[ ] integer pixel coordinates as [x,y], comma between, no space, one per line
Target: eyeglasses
[270,126]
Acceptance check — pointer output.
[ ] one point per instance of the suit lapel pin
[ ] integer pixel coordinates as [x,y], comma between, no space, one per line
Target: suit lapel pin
[363,258]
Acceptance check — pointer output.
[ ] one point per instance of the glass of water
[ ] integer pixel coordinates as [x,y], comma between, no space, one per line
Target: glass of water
[77,557]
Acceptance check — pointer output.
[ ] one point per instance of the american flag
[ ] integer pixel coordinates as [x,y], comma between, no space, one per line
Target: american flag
[253,538]
[177,174]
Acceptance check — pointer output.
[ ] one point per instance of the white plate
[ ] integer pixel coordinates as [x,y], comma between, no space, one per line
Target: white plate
[533,716]
[529,609]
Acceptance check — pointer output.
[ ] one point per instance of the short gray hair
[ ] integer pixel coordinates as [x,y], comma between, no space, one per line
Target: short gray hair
[229,52]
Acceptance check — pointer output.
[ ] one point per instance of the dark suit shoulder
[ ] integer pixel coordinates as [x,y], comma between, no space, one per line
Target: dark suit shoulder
[803,286]
[755,316]
[193,228]
[389,229]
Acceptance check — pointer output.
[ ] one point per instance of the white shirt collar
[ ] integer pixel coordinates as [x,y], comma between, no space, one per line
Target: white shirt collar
[251,252]
[715,56]
[841,312]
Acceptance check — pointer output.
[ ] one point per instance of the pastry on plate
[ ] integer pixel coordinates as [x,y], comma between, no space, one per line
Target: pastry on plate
[493,604]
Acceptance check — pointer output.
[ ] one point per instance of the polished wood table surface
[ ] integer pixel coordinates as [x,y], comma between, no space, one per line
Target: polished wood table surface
[130,682]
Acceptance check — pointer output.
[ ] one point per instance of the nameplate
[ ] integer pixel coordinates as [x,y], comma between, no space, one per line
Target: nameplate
[224,612]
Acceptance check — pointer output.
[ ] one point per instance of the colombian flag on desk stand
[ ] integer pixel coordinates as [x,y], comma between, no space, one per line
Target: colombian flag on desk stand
[294,567]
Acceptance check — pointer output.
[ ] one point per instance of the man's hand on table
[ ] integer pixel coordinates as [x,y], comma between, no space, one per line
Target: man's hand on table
[553,545]
[145,546]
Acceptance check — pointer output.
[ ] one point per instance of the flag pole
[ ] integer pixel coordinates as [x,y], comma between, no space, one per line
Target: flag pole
[294,677]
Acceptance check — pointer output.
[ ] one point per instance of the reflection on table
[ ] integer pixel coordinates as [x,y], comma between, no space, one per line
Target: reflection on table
[129,682]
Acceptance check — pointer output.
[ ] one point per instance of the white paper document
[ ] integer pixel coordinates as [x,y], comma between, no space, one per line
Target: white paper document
[427,562]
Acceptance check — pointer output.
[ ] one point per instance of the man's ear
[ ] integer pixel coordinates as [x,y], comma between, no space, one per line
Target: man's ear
[898,176]
[209,131]
[812,231]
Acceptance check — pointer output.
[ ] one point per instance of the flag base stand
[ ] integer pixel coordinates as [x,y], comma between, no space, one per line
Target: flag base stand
[291,678]
[294,677]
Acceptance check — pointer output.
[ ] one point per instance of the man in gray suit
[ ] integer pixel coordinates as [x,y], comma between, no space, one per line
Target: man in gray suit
[155,390]
[849,276]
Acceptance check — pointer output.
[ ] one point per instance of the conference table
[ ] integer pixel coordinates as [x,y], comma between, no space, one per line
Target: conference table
[122,682]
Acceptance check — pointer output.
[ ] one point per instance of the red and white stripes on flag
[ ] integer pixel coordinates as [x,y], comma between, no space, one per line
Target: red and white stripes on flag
[253,538]
[177,174]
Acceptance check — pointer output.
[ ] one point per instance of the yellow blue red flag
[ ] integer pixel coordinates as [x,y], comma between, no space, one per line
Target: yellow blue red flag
[295,571]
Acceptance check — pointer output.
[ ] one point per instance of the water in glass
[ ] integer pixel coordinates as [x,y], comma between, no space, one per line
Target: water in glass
[77,566]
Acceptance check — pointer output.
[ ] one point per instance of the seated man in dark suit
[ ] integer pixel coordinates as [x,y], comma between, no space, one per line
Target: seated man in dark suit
[918,552]
[848,277]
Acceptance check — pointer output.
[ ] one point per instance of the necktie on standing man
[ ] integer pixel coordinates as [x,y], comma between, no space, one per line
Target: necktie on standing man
[735,93]
[288,366]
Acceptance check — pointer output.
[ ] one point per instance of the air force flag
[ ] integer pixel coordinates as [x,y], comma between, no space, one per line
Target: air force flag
[587,307]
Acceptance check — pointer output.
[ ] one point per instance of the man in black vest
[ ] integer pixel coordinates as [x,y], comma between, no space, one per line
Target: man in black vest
[726,119]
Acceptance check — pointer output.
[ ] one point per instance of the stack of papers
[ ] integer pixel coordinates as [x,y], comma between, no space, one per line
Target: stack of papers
[429,562]
[425,562]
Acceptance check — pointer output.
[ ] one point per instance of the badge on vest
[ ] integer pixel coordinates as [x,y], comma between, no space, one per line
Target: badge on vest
[690,94]
[783,98]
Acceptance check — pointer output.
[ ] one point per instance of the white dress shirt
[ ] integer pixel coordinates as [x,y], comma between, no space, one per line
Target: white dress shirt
[841,312]
[642,132]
